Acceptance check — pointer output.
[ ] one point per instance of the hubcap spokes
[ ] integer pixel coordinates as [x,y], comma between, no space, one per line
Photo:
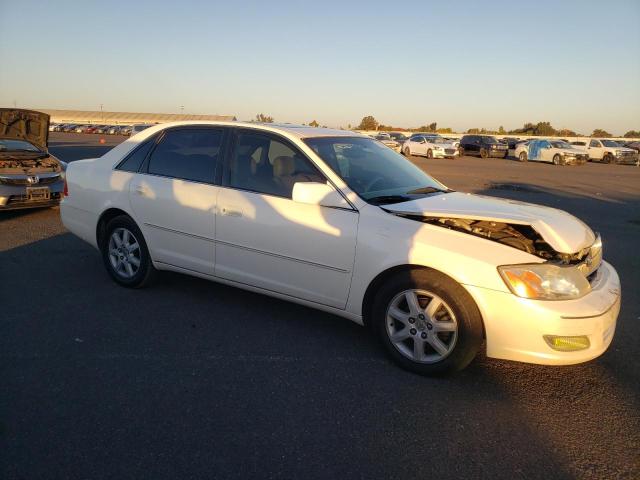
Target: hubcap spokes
[421,326]
[124,253]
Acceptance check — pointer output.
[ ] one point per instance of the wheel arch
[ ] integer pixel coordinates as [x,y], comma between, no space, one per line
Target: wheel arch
[379,280]
[106,216]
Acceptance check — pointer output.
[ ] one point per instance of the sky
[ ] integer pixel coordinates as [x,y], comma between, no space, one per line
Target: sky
[462,64]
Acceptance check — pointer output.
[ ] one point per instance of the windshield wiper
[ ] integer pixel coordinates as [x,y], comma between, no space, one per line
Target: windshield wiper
[386,199]
[420,190]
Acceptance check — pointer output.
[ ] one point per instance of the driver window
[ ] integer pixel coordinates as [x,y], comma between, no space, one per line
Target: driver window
[264,164]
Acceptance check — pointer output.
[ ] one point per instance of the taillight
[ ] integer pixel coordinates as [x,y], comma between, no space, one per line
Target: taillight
[66,188]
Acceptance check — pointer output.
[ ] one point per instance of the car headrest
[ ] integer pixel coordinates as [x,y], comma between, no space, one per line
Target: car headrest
[283,166]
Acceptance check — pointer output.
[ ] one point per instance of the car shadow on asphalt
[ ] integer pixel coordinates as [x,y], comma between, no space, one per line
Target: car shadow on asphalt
[296,373]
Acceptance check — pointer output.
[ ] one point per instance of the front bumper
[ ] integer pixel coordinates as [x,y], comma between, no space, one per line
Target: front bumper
[628,159]
[14,197]
[498,153]
[446,153]
[515,327]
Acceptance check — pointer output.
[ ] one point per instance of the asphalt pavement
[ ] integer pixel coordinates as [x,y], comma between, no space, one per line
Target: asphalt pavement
[191,379]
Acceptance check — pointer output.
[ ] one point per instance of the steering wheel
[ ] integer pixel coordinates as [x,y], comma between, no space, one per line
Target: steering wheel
[373,182]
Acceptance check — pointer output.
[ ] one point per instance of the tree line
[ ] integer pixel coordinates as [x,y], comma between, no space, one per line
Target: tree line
[543,129]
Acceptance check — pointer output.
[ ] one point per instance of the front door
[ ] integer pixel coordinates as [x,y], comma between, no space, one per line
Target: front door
[174,197]
[265,239]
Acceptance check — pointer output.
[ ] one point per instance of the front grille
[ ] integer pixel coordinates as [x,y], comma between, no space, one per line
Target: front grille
[23,180]
[449,151]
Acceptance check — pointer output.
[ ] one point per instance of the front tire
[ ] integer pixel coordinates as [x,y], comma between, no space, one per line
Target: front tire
[407,152]
[523,157]
[427,322]
[125,253]
[484,153]
[608,158]
[558,159]
[429,154]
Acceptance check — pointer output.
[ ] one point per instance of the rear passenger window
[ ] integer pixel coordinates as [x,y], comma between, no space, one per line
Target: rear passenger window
[134,160]
[188,154]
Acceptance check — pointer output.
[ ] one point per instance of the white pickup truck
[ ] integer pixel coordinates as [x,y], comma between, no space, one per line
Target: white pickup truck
[610,151]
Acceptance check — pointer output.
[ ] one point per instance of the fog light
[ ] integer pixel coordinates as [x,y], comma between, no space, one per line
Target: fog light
[567,344]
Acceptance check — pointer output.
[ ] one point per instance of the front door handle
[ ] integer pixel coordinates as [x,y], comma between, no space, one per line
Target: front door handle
[140,190]
[230,212]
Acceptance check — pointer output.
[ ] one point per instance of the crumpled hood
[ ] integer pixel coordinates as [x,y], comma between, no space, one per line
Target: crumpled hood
[562,231]
[29,125]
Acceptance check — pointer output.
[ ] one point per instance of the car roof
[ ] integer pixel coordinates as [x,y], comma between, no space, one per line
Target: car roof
[300,131]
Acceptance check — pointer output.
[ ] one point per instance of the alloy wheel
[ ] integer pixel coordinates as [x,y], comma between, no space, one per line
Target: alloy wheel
[421,326]
[124,253]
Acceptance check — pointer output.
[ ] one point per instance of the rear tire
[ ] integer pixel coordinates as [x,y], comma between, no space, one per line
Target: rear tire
[421,339]
[125,253]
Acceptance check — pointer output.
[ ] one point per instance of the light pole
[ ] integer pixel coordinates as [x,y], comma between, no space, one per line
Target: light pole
[101,113]
[181,109]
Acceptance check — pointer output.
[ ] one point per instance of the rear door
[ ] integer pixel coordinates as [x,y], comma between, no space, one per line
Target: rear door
[174,197]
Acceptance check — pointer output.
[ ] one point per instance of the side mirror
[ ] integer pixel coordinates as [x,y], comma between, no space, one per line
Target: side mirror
[315,193]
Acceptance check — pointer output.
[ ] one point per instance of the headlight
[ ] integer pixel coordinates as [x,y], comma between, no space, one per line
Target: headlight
[618,153]
[437,148]
[544,281]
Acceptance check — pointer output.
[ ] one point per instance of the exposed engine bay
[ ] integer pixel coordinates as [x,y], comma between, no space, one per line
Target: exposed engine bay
[522,237]
[33,163]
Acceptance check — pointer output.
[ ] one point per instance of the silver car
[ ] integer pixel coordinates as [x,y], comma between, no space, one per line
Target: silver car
[30,176]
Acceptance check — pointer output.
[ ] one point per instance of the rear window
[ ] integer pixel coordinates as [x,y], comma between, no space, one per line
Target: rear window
[133,161]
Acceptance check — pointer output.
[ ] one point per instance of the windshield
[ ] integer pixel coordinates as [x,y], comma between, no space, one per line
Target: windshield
[610,143]
[489,140]
[376,173]
[559,144]
[10,145]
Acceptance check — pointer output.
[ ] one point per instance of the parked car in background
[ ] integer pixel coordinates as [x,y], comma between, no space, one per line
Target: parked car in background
[82,128]
[338,222]
[483,145]
[610,151]
[70,127]
[29,175]
[102,129]
[125,130]
[511,143]
[386,139]
[399,137]
[634,145]
[578,144]
[430,147]
[453,141]
[557,152]
[139,127]
[52,127]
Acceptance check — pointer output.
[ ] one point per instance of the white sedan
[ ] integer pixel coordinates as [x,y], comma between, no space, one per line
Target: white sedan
[557,152]
[338,222]
[430,146]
